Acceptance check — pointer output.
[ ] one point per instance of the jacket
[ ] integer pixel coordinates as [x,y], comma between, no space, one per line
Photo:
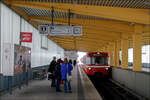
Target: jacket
[52,66]
[66,68]
[58,71]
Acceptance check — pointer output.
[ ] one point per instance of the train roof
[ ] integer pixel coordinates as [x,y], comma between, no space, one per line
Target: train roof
[97,54]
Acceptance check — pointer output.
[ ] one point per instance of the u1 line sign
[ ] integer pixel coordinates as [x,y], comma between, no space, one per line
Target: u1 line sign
[60,30]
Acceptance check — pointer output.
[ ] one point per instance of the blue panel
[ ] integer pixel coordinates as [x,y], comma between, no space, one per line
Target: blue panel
[5,82]
[1,82]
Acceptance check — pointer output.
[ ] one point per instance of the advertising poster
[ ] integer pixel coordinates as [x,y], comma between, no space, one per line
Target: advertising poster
[7,59]
[22,59]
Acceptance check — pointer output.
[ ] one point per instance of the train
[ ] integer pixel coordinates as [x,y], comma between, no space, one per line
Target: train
[96,64]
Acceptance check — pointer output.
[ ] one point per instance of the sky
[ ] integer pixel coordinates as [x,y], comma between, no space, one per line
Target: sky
[145,54]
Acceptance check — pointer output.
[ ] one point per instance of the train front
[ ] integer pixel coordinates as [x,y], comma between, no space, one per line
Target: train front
[96,64]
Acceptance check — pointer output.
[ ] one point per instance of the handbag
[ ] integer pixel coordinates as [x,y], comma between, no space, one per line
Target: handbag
[50,76]
[61,82]
[69,78]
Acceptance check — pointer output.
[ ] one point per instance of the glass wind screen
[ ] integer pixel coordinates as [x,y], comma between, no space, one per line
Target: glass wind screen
[99,61]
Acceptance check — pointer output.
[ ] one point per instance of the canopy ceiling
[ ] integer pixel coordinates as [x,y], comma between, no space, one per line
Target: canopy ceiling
[103,21]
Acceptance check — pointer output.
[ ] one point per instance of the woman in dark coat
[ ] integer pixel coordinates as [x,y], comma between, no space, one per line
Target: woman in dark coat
[58,75]
[52,70]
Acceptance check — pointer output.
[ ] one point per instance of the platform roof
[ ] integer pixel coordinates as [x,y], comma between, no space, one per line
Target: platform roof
[103,21]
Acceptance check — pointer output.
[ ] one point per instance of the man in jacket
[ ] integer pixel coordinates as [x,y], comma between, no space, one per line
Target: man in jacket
[52,70]
[66,69]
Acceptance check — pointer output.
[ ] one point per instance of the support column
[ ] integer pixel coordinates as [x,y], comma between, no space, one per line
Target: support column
[111,55]
[105,49]
[116,53]
[124,48]
[137,46]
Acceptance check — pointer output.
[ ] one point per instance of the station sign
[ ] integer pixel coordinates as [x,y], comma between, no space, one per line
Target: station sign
[60,30]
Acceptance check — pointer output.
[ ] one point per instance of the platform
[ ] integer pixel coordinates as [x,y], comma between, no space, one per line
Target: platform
[41,90]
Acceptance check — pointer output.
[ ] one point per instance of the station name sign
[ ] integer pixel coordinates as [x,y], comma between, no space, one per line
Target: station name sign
[60,30]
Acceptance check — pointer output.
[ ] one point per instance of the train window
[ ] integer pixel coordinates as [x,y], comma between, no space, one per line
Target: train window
[105,61]
[99,61]
[92,61]
[88,60]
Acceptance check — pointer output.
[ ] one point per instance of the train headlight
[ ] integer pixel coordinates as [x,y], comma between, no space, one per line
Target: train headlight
[89,68]
[106,68]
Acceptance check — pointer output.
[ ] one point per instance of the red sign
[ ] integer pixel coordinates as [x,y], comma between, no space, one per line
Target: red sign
[26,37]
[66,54]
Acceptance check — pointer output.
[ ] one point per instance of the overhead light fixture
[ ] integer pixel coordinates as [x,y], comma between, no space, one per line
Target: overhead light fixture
[131,24]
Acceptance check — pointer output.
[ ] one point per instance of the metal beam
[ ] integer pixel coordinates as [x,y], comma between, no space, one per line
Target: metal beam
[88,43]
[115,13]
[113,26]
[80,48]
[25,16]
[70,39]
[104,35]
[92,30]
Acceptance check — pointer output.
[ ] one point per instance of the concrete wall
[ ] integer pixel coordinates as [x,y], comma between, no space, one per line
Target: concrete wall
[12,24]
[138,82]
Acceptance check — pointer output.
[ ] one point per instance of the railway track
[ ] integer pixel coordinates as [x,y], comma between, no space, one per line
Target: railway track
[111,91]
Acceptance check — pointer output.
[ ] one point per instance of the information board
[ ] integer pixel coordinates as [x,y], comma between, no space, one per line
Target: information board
[60,30]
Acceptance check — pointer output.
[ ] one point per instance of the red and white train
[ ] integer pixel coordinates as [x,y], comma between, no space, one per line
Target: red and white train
[96,63]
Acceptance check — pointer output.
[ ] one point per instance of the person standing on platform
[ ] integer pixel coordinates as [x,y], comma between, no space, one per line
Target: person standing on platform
[70,61]
[52,70]
[58,75]
[74,62]
[66,69]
